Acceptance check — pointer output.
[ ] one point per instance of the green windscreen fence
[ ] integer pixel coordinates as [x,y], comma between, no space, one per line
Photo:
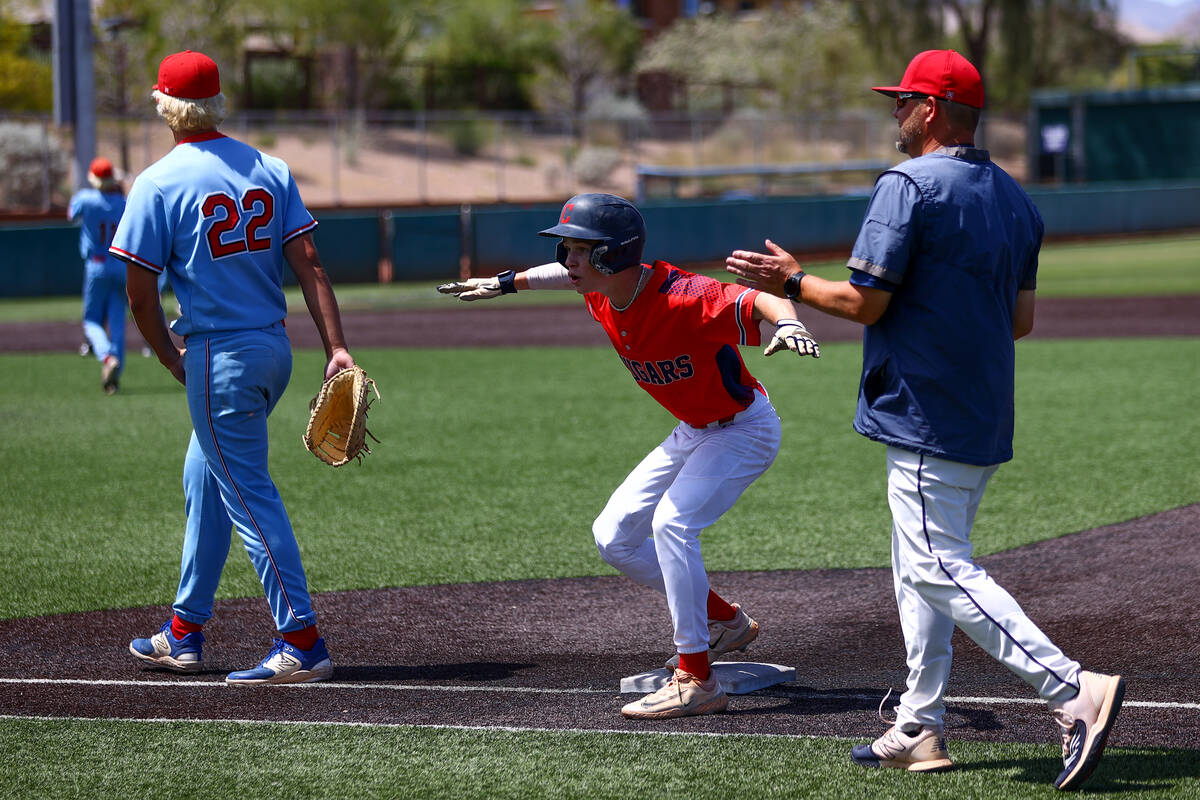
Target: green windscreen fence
[1097,137]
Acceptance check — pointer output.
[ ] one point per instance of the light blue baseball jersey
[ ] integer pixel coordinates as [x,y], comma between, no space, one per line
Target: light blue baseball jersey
[215,213]
[97,213]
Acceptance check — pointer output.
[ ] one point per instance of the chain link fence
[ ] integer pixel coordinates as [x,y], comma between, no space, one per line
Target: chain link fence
[416,159]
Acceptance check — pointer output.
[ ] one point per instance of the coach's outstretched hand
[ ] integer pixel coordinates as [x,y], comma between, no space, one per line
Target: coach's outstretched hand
[472,289]
[790,334]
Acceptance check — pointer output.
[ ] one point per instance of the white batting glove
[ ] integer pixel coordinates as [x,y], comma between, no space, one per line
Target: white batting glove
[472,289]
[790,334]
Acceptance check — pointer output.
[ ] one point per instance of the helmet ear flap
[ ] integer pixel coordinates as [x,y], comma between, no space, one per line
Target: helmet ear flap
[560,253]
[597,259]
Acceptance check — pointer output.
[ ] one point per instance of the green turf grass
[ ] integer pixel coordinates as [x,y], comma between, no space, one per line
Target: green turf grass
[230,761]
[492,466]
[1147,265]
[494,463]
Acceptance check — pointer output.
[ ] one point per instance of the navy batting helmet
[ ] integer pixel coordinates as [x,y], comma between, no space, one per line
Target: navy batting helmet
[612,222]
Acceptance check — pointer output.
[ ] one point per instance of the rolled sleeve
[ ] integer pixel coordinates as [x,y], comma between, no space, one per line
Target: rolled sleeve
[886,240]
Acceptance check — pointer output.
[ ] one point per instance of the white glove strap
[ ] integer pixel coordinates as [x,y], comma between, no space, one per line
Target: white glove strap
[795,322]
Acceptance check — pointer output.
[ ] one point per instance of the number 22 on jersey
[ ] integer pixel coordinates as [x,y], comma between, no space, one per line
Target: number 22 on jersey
[223,238]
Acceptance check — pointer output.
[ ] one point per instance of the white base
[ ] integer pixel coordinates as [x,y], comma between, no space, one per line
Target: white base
[736,677]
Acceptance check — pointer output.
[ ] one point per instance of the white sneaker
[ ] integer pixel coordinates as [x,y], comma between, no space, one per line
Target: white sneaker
[725,637]
[922,751]
[683,696]
[1085,721]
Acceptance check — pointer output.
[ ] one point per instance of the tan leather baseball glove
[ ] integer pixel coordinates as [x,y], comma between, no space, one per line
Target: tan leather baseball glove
[337,422]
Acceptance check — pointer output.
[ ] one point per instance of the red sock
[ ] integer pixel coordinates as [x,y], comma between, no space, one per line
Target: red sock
[695,663]
[181,627]
[304,638]
[718,609]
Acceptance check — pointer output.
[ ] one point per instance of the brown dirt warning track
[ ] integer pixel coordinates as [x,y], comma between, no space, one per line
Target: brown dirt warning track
[549,654]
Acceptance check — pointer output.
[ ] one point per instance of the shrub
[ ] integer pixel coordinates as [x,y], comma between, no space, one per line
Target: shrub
[596,164]
[32,166]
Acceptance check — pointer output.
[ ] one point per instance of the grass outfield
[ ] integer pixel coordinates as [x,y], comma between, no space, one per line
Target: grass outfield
[479,477]
[53,759]
[1150,265]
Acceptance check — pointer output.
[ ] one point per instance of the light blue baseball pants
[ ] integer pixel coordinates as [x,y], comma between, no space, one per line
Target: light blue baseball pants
[104,303]
[234,380]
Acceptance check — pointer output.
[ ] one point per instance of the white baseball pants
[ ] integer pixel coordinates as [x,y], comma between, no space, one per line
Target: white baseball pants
[933,503]
[650,528]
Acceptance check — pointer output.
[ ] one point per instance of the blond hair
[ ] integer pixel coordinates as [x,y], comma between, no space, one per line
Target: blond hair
[109,184]
[190,116]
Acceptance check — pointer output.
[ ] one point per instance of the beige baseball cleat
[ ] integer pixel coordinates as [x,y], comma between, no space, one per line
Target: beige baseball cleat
[683,696]
[1085,722]
[922,751]
[725,637]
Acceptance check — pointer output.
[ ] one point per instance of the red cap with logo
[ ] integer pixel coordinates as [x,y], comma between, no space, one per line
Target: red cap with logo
[188,75]
[101,167]
[944,74]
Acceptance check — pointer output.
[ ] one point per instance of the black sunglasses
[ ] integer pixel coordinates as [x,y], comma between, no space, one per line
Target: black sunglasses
[904,97]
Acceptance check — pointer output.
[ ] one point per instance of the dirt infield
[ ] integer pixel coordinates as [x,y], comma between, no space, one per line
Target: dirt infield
[480,325]
[549,654]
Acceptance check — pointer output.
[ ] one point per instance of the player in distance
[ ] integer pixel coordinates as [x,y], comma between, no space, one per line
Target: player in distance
[98,208]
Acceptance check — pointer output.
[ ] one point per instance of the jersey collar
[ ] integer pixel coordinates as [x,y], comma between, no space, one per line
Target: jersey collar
[206,136]
[969,152]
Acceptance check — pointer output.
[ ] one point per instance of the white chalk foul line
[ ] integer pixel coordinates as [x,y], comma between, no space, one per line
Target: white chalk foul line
[390,687]
[775,691]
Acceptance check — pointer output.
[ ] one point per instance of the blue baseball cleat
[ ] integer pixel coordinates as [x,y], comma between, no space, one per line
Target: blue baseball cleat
[286,663]
[164,650]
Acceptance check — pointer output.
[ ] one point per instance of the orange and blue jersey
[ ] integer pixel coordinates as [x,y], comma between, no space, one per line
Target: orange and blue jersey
[679,339]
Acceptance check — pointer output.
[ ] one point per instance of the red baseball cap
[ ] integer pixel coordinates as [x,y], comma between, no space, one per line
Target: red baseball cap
[101,167]
[944,74]
[192,76]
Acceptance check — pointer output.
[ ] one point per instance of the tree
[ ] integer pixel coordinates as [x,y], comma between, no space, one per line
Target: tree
[484,53]
[1037,43]
[133,36]
[26,84]
[794,58]
[372,36]
[594,49]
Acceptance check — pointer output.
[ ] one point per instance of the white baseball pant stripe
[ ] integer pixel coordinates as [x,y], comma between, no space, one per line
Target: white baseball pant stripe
[933,503]
[650,528]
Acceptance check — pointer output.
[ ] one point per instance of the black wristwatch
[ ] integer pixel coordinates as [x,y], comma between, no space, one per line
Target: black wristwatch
[506,279]
[791,286]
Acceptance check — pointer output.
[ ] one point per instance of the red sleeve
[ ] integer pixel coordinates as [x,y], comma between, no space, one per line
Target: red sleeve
[726,310]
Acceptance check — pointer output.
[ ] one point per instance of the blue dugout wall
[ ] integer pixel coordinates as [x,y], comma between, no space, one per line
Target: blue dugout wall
[42,258]
[684,232]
